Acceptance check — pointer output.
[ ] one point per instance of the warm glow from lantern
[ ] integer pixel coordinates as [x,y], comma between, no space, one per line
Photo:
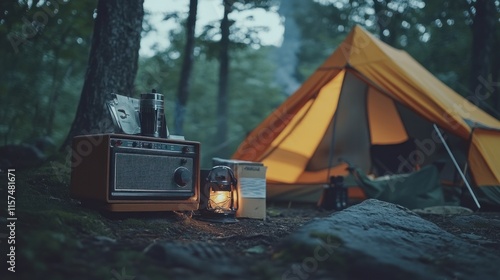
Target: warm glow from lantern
[220,201]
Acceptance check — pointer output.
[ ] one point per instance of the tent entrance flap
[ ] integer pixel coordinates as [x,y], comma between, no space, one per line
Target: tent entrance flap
[386,126]
[347,133]
[293,148]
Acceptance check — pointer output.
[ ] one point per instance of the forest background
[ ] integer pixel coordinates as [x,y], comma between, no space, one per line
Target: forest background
[232,85]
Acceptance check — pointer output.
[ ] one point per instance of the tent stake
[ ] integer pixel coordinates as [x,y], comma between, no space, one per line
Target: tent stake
[457,166]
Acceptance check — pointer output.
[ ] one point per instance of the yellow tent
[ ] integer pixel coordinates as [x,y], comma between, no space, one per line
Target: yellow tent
[365,95]
[484,158]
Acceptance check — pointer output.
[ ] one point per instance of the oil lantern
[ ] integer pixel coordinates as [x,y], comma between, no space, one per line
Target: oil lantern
[220,195]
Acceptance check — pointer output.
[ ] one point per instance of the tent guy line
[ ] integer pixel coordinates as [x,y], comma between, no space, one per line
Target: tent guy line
[457,166]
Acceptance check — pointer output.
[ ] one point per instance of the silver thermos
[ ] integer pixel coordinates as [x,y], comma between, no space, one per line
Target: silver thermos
[152,115]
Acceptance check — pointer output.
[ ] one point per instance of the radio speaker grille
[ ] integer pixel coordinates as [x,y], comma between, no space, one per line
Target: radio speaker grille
[134,172]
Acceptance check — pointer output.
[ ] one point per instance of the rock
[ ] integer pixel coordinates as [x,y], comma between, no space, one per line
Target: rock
[380,240]
[475,221]
[444,210]
[25,155]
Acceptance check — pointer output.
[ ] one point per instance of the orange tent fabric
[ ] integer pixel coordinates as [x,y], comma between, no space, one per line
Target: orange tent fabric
[484,156]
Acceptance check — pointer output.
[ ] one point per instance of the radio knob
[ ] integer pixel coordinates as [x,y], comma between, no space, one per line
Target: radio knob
[116,143]
[182,176]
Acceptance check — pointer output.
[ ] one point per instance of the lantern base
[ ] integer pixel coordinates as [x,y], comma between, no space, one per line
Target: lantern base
[224,218]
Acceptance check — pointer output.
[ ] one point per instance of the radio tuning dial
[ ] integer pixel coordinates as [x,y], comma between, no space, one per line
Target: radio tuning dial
[182,176]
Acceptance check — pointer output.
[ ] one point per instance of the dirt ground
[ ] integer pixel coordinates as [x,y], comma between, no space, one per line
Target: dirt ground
[59,238]
[487,227]
[242,236]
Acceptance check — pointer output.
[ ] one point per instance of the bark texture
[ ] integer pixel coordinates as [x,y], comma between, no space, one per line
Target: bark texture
[112,64]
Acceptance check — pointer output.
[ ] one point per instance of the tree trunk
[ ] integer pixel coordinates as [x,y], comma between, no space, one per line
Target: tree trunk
[482,43]
[187,66]
[112,65]
[384,21]
[495,74]
[221,136]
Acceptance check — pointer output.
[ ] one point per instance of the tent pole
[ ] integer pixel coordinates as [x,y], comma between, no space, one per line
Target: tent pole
[457,166]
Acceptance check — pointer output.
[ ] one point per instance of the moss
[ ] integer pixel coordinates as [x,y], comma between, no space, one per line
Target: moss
[328,238]
[152,225]
[46,249]
[39,190]
[64,221]
[132,222]
[60,257]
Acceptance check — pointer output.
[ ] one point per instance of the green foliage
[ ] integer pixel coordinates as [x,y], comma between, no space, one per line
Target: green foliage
[435,33]
[331,22]
[241,36]
[46,49]
[255,95]
[44,60]
[447,51]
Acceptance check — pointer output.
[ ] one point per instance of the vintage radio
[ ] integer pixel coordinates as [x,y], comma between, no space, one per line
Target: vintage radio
[123,173]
